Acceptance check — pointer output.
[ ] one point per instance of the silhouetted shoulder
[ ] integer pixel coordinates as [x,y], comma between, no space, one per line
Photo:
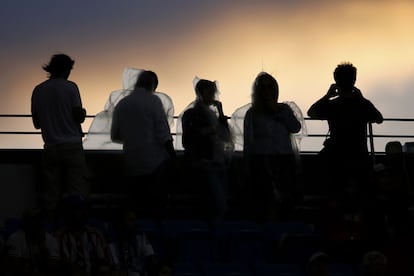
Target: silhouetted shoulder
[284,107]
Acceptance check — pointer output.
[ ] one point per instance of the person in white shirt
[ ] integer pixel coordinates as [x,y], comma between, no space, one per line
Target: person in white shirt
[140,124]
[57,111]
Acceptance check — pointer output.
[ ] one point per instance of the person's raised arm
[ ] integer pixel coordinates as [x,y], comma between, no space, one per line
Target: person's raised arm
[372,113]
[318,109]
[223,119]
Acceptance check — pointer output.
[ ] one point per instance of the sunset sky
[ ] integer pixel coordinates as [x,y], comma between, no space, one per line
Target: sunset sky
[299,42]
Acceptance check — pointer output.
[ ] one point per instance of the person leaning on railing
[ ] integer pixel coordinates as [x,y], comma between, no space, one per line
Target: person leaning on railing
[57,111]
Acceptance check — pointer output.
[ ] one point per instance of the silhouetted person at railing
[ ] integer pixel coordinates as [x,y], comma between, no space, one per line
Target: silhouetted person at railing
[57,111]
[140,124]
[268,149]
[345,157]
[205,134]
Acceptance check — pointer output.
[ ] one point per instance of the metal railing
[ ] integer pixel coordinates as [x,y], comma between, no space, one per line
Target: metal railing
[387,134]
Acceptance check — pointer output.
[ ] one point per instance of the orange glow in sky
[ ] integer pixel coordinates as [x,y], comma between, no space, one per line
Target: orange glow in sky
[299,44]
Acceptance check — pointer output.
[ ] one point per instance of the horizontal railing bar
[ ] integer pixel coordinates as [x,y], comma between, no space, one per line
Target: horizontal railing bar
[309,135]
[375,136]
[176,117]
[385,119]
[20,132]
[29,116]
[313,135]
[15,115]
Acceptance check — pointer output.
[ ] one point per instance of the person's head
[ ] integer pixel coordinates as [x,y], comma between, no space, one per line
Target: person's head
[345,76]
[265,89]
[206,91]
[147,80]
[59,66]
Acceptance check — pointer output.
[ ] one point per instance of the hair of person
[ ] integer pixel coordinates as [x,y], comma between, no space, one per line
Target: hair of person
[58,64]
[345,74]
[203,85]
[148,80]
[264,82]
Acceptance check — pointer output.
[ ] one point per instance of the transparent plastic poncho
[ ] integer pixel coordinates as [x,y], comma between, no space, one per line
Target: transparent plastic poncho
[178,142]
[99,133]
[237,125]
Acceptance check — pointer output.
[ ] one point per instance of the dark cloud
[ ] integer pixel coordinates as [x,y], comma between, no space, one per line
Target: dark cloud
[29,20]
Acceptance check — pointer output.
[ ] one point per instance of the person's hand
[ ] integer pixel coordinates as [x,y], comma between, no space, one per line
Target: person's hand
[219,107]
[332,91]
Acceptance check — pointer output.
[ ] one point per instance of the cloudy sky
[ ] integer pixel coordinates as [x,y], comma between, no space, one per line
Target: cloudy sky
[299,42]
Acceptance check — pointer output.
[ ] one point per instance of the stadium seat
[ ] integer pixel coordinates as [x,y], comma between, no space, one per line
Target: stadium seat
[228,269]
[277,270]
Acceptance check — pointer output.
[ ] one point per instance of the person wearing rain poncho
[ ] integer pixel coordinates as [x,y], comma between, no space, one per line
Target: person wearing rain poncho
[268,149]
[205,135]
[98,136]
[140,124]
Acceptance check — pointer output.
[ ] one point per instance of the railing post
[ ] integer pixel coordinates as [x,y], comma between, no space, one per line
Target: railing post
[371,142]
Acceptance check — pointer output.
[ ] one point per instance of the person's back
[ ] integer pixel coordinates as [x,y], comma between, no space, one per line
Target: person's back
[268,151]
[54,100]
[266,135]
[143,129]
[140,124]
[199,144]
[57,110]
[56,104]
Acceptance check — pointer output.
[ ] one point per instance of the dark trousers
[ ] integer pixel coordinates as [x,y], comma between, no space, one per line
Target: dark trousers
[271,185]
[64,172]
[148,193]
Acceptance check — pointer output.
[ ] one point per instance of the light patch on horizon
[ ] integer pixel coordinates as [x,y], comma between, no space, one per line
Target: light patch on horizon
[233,50]
[299,45]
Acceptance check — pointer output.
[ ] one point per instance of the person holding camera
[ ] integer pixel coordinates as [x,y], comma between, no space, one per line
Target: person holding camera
[345,156]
